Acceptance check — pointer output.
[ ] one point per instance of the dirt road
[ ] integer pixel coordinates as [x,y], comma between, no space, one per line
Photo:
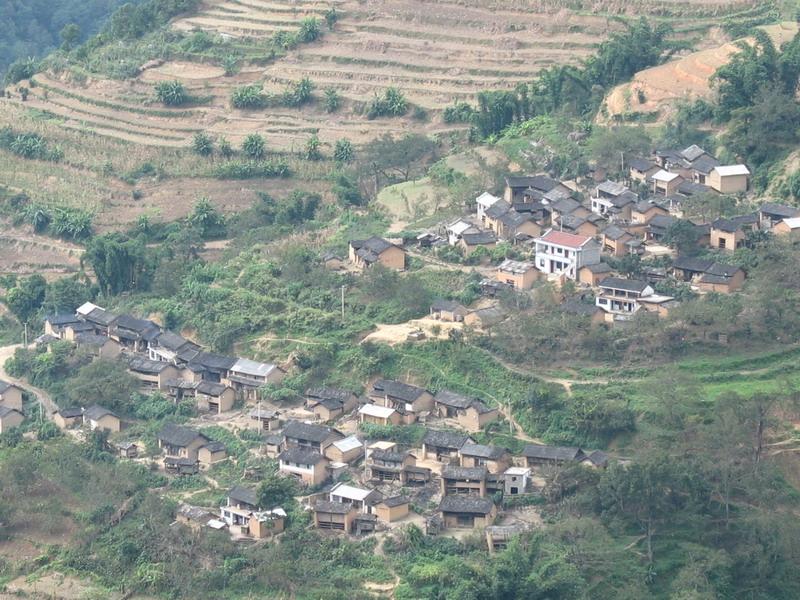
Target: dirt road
[42,397]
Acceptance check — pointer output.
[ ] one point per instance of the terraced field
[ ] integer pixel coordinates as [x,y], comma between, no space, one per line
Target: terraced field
[436,52]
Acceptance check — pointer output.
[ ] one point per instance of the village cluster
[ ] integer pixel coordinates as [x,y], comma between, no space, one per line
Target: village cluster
[357,484]
[352,484]
[567,235]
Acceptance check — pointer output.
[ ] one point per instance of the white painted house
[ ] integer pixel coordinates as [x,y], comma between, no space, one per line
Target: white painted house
[561,253]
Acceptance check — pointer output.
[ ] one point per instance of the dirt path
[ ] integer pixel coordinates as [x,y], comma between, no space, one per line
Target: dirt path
[42,397]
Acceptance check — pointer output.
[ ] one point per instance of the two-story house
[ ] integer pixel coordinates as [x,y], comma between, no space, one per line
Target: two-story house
[376,250]
[518,274]
[619,296]
[247,376]
[305,464]
[307,435]
[613,200]
[563,253]
[730,233]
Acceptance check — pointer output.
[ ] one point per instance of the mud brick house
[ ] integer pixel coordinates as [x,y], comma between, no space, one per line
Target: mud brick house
[334,515]
[464,480]
[470,414]
[494,458]
[443,445]
[10,418]
[518,274]
[241,511]
[403,397]
[66,418]
[152,373]
[376,250]
[330,403]
[181,442]
[729,179]
[394,465]
[307,435]
[98,346]
[379,415]
[97,417]
[729,233]
[133,334]
[536,455]
[467,512]
[10,395]
[392,509]
[248,376]
[448,311]
[345,450]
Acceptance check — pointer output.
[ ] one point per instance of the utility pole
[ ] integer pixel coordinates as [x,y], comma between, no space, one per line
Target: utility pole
[343,288]
[622,162]
[26,335]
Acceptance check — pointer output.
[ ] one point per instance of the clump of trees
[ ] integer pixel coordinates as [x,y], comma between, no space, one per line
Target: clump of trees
[28,145]
[392,103]
[171,93]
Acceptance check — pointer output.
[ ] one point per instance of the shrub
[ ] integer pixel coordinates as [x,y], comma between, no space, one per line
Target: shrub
[309,30]
[249,169]
[202,144]
[391,104]
[248,97]
[312,149]
[332,100]
[171,93]
[343,151]
[23,68]
[225,148]
[298,93]
[460,112]
[231,65]
[254,146]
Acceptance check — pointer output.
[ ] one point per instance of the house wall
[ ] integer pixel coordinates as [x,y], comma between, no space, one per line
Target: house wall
[260,530]
[390,515]
[63,423]
[458,486]
[10,421]
[393,258]
[586,277]
[467,249]
[493,466]
[393,419]
[735,283]
[189,451]
[520,281]
[473,421]
[731,184]
[731,240]
[225,401]
[333,453]
[314,476]
[344,522]
[12,398]
[479,521]
[323,413]
[208,458]
[110,350]
[109,423]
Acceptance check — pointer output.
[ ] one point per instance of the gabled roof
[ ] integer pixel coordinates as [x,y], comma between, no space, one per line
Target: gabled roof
[462,503]
[598,458]
[398,389]
[4,386]
[481,451]
[722,270]
[394,501]
[307,431]
[211,360]
[690,188]
[352,492]
[243,495]
[388,455]
[779,210]
[640,164]
[565,206]
[147,366]
[348,443]
[693,152]
[96,412]
[448,306]
[498,209]
[569,240]
[71,412]
[7,410]
[375,245]
[665,176]
[452,399]
[472,473]
[613,232]
[179,436]
[101,317]
[134,324]
[542,183]
[628,285]
[445,439]
[661,221]
[705,164]
[792,222]
[689,263]
[329,393]
[552,452]
[210,388]
[576,307]
[300,455]
[486,199]
[85,308]
[90,339]
[479,238]
[733,224]
[61,319]
[612,188]
[172,341]
[598,268]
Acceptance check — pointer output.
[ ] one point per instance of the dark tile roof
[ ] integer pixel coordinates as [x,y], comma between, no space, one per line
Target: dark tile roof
[576,307]
[96,412]
[566,206]
[179,461]
[498,209]
[722,270]
[447,305]
[243,495]
[733,224]
[481,451]
[598,458]
[172,341]
[7,410]
[689,263]
[620,283]
[145,365]
[4,385]
[61,319]
[640,164]
[704,164]
[537,182]
[215,447]
[598,268]
[462,503]
[299,455]
[480,407]
[374,245]
[690,188]
[779,210]
[307,431]
[134,324]
[395,501]
[452,399]
[693,152]
[552,452]
[613,232]
[210,388]
[398,389]
[90,339]
[179,436]
[211,360]
[101,317]
[445,439]
[471,473]
[661,221]
[388,455]
[336,508]
[71,412]
[479,238]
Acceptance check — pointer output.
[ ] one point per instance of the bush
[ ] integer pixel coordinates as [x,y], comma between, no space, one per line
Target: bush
[332,100]
[392,104]
[312,149]
[343,151]
[171,93]
[248,97]
[202,144]
[254,146]
[460,112]
[23,68]
[298,93]
[250,169]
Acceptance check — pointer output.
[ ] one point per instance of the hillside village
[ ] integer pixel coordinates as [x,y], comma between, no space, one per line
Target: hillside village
[391,299]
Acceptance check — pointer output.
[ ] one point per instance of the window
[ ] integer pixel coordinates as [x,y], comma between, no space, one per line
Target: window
[465,520]
[722,242]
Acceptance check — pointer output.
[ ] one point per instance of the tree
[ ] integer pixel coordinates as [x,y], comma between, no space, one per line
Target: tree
[202,144]
[345,188]
[332,100]
[343,151]
[610,147]
[309,30]
[27,297]
[396,159]
[66,294]
[119,263]
[248,97]
[70,36]
[225,147]
[682,235]
[254,146]
[171,93]
[206,219]
[312,149]
[105,382]
[331,16]
[276,492]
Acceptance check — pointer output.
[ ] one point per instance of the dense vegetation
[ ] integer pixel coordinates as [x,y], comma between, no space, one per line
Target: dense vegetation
[31,28]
